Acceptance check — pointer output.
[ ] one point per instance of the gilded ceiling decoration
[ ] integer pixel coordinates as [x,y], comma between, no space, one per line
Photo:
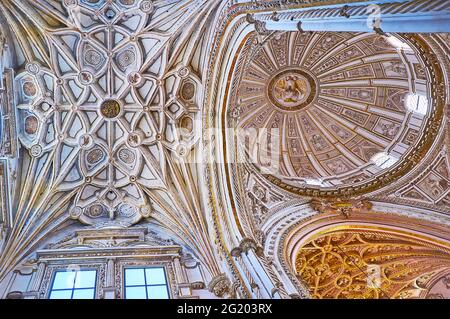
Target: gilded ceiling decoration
[362,262]
[334,110]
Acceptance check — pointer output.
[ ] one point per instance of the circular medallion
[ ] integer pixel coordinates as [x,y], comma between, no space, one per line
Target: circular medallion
[29,89]
[188,91]
[95,211]
[71,3]
[134,139]
[31,125]
[85,141]
[85,78]
[181,149]
[127,156]
[75,212]
[126,58]
[343,281]
[110,108]
[134,78]
[92,57]
[183,72]
[127,210]
[33,68]
[36,150]
[292,89]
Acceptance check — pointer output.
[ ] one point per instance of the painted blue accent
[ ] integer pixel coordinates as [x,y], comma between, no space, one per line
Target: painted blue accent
[422,22]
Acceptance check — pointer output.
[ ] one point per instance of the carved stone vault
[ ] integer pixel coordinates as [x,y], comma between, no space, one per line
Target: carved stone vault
[108,99]
[120,133]
[103,112]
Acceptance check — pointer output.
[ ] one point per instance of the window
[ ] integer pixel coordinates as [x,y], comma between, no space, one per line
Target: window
[78,284]
[314,182]
[384,160]
[417,103]
[397,43]
[146,283]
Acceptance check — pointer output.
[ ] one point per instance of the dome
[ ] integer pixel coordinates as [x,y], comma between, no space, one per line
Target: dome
[331,110]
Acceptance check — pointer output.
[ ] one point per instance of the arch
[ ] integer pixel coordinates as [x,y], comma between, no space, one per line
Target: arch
[368,255]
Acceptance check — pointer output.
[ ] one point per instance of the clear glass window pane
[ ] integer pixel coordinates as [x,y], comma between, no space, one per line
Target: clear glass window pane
[85,279]
[146,283]
[155,276]
[83,294]
[61,294]
[134,277]
[135,293]
[73,284]
[157,292]
[64,280]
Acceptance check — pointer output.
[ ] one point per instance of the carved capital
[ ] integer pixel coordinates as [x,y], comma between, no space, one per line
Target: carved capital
[220,286]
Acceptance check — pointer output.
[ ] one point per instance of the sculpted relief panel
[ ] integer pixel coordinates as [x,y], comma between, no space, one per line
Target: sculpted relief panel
[432,186]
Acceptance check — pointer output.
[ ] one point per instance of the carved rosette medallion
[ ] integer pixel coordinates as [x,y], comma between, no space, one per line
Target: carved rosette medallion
[110,108]
[292,89]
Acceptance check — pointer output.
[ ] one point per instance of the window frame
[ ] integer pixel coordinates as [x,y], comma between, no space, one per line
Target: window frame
[144,267]
[73,289]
